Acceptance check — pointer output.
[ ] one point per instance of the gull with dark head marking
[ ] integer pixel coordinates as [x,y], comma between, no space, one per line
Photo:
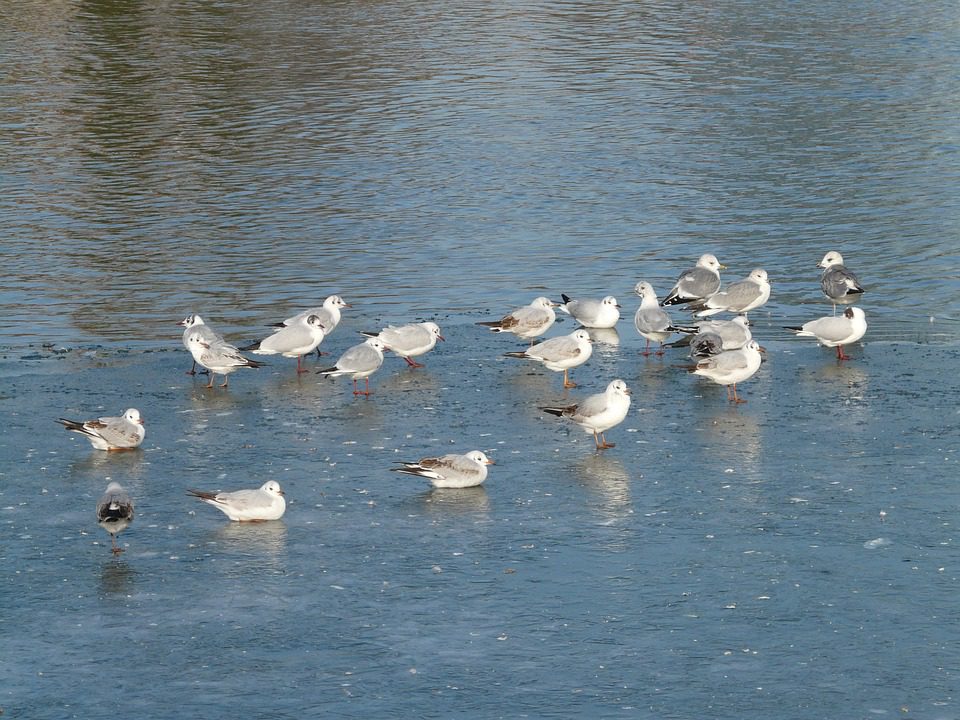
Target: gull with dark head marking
[560,353]
[698,283]
[450,471]
[359,362]
[598,413]
[110,433]
[839,284]
[592,313]
[708,337]
[297,339]
[527,322]
[220,358]
[740,297]
[833,331]
[258,505]
[115,513]
[730,367]
[194,323]
[409,341]
[651,321]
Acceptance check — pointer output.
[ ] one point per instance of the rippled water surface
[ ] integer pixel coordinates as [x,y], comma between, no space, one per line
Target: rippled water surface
[792,557]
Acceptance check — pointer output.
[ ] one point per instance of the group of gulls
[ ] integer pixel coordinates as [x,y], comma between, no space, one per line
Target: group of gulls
[723,351]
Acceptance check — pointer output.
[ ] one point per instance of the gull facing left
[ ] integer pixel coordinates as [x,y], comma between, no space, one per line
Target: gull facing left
[527,322]
[264,503]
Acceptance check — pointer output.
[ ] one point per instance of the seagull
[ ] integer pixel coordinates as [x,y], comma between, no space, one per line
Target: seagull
[527,322]
[264,503]
[560,353]
[110,433]
[195,322]
[115,513]
[598,413]
[832,331]
[329,314]
[360,361]
[220,358]
[740,297]
[409,341]
[450,471]
[297,339]
[733,334]
[730,367]
[651,321]
[592,313]
[697,283]
[839,284]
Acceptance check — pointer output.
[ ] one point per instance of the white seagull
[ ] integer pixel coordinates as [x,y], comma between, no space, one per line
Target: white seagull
[598,413]
[264,503]
[220,358]
[409,341]
[592,313]
[297,339]
[450,471]
[209,335]
[740,297]
[832,331]
[360,361]
[560,353]
[651,321]
[329,314]
[110,433]
[730,367]
[698,283]
[839,284]
[114,513]
[527,322]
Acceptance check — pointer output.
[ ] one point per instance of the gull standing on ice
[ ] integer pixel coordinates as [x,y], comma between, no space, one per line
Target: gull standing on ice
[264,503]
[329,314]
[409,341]
[110,433]
[297,339]
[360,361]
[651,321]
[115,513]
[739,297]
[195,323]
[527,322]
[592,313]
[220,358]
[450,471]
[560,353]
[708,337]
[598,413]
[730,367]
[839,284]
[832,331]
[698,283]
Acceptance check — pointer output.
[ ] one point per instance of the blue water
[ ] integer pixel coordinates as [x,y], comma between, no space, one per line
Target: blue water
[792,557]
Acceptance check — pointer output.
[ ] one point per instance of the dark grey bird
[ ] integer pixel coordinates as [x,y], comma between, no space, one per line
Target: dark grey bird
[839,284]
[115,513]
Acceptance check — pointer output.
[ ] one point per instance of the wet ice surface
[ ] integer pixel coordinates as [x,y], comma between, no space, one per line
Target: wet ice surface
[792,557]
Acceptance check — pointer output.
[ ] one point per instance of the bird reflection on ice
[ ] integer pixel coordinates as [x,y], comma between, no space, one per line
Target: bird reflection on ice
[606,476]
[604,336]
[456,500]
[116,577]
[262,539]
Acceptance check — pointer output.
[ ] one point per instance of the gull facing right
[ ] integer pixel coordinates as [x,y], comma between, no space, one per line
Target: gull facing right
[409,341]
[592,313]
[598,413]
[527,322]
[832,331]
[258,505]
[560,353]
[110,433]
[450,471]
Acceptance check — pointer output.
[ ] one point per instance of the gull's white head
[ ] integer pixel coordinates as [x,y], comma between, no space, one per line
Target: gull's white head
[581,335]
[479,458]
[542,302]
[191,320]
[272,487]
[314,321]
[831,258]
[335,301]
[433,329]
[758,275]
[375,342]
[611,301]
[133,415]
[618,387]
[710,262]
[645,290]
[854,313]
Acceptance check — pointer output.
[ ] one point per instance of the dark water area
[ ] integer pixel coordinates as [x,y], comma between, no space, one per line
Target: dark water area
[791,557]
